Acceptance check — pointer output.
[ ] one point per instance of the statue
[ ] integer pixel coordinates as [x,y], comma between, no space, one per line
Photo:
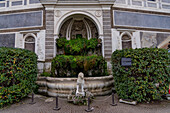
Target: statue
[80,85]
[79,96]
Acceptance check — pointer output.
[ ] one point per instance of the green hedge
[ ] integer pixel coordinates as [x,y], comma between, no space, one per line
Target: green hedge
[70,66]
[79,46]
[138,82]
[18,72]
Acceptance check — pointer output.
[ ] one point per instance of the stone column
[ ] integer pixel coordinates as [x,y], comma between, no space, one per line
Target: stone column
[107,33]
[49,39]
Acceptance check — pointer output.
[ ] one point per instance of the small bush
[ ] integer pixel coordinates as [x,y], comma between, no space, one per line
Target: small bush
[70,66]
[148,77]
[18,72]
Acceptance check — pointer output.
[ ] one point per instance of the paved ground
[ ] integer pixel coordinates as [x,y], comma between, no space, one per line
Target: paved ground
[99,107]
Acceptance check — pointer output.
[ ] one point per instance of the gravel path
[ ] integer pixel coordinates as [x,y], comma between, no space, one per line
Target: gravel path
[99,106]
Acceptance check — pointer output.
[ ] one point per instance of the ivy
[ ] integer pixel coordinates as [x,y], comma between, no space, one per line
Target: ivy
[138,82]
[18,72]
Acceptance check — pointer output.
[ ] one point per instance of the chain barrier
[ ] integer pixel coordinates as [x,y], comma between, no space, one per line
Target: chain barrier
[92,99]
[89,109]
[103,99]
[41,98]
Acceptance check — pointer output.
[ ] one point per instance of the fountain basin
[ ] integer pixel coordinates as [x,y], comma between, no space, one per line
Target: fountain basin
[62,87]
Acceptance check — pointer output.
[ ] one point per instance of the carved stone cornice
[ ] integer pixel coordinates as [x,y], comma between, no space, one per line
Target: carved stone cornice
[77,2]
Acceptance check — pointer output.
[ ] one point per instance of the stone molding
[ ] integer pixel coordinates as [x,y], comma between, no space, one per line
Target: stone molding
[70,2]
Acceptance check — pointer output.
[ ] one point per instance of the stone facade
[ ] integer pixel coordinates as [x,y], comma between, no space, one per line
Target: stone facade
[107,34]
[120,24]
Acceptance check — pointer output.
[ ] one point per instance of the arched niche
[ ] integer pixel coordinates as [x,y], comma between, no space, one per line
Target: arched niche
[78,26]
[30,42]
[126,40]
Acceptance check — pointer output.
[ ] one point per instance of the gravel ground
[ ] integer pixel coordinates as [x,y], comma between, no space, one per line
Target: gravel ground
[100,104]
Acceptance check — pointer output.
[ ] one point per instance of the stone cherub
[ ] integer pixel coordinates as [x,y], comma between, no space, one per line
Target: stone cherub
[80,85]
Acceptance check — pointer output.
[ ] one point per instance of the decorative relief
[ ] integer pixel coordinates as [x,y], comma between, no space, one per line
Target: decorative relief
[78,28]
[57,13]
[149,40]
[135,41]
[20,42]
[98,13]
[39,50]
[118,40]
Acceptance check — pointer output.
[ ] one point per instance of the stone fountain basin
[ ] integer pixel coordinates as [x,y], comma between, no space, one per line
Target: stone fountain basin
[62,87]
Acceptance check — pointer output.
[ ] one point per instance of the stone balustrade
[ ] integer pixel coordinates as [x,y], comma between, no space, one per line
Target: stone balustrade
[153,4]
[17,3]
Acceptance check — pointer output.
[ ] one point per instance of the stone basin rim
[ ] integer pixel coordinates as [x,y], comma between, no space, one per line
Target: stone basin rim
[85,78]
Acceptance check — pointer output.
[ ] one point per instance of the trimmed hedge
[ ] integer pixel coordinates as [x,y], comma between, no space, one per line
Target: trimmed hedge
[70,66]
[18,72]
[148,77]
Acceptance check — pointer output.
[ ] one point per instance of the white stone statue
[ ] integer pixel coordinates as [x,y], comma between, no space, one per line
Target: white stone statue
[80,85]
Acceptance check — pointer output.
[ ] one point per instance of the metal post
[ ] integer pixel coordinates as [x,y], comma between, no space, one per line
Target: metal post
[113,103]
[88,106]
[32,99]
[57,108]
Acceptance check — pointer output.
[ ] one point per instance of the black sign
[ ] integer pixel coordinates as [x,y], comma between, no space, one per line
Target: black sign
[126,61]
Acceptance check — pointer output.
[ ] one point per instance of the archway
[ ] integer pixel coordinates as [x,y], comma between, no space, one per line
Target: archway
[78,26]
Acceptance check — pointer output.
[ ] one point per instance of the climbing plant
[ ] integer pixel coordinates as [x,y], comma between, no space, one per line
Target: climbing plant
[148,77]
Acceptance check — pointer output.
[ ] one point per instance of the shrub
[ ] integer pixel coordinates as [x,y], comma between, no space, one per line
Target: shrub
[70,66]
[61,42]
[45,74]
[18,72]
[79,46]
[148,77]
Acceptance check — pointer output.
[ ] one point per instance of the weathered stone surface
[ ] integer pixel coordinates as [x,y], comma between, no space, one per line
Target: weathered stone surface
[7,40]
[49,100]
[21,20]
[128,102]
[49,42]
[107,33]
[136,19]
[149,40]
[64,86]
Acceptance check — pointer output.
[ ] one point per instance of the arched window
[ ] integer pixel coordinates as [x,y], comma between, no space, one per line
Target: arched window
[30,43]
[126,41]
